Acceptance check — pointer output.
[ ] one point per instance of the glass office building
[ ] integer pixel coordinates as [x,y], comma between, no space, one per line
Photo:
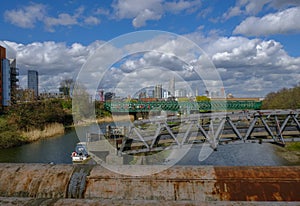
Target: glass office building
[33,82]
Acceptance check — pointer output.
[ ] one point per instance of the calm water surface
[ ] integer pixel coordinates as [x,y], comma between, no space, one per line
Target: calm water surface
[58,150]
[55,149]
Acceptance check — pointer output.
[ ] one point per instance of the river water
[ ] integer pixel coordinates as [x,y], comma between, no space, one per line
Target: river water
[58,149]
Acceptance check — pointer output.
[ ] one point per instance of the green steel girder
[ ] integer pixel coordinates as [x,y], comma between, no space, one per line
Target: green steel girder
[215,105]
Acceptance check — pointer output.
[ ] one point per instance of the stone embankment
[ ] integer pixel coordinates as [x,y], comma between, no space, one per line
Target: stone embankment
[40,184]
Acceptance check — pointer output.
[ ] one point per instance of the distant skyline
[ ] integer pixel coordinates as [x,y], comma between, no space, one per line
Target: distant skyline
[254,44]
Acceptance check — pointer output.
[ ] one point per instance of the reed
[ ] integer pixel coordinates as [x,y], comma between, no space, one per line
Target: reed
[50,130]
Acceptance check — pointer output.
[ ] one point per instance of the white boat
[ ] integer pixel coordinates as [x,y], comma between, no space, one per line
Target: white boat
[80,155]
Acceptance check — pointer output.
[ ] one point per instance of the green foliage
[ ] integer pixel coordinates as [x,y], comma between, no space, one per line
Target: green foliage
[9,136]
[35,115]
[66,104]
[32,115]
[100,110]
[183,99]
[134,100]
[202,98]
[283,99]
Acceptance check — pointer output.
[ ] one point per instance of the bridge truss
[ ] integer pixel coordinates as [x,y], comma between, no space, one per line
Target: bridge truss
[213,105]
[151,135]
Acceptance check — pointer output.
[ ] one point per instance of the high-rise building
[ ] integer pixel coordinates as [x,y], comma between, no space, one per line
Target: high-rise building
[6,92]
[158,91]
[33,82]
[181,93]
[172,87]
[8,79]
[109,96]
[14,73]
[2,59]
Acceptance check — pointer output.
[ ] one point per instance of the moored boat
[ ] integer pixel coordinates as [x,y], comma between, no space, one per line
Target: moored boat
[80,155]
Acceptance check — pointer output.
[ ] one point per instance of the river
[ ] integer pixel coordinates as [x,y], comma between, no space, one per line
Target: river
[58,149]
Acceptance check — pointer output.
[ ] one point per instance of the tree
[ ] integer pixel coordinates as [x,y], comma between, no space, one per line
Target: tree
[82,104]
[36,115]
[66,86]
[202,98]
[283,99]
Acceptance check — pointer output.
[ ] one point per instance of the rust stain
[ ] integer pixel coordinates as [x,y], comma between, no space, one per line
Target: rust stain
[258,183]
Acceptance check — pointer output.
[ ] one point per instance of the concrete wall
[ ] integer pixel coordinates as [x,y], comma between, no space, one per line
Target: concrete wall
[177,184]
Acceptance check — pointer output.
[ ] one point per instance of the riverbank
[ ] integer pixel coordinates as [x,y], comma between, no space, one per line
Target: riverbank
[291,152]
[11,136]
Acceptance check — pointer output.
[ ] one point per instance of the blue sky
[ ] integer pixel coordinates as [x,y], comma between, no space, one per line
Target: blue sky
[108,21]
[254,44]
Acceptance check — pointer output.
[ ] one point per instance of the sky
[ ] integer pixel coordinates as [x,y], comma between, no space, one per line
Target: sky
[253,44]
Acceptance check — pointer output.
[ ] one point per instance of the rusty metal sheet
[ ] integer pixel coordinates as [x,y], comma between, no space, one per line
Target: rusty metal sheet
[188,183]
[258,183]
[34,180]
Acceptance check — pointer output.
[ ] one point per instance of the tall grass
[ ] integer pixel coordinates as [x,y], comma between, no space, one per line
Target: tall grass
[50,130]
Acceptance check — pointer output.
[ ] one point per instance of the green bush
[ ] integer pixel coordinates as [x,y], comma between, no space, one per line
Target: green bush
[35,115]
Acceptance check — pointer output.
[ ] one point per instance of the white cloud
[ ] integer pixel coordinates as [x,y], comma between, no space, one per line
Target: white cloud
[91,20]
[54,61]
[248,7]
[146,15]
[254,67]
[249,62]
[62,20]
[142,11]
[138,10]
[182,5]
[280,4]
[233,11]
[132,8]
[253,7]
[248,67]
[150,62]
[282,22]
[102,11]
[27,16]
